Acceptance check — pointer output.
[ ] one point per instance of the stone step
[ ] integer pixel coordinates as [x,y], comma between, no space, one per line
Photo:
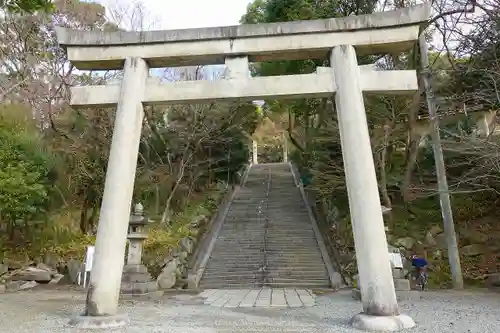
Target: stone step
[321,275]
[267,213]
[284,251]
[238,279]
[270,267]
[257,256]
[309,252]
[233,234]
[294,284]
[270,245]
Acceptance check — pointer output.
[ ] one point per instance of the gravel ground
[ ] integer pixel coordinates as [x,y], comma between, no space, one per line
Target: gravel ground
[48,311]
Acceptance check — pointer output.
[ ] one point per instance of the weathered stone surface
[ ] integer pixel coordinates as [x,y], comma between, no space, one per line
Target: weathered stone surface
[437,255]
[3,269]
[477,237]
[138,288]
[402,284]
[198,221]
[136,277]
[3,288]
[187,245]
[397,273]
[441,241]
[472,250]
[296,260]
[56,278]
[74,267]
[430,240]
[406,242]
[151,296]
[98,322]
[494,280]
[13,285]
[430,237]
[382,323]
[135,269]
[168,276]
[20,285]
[401,295]
[45,267]
[136,280]
[183,256]
[28,285]
[435,230]
[32,274]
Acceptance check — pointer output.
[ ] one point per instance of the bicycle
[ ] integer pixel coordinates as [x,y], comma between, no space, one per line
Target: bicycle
[418,272]
[422,278]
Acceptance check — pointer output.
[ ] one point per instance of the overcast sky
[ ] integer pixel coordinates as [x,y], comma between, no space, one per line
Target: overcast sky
[182,14]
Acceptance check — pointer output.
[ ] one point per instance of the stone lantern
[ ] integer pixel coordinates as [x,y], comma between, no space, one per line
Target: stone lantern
[136,281]
[136,235]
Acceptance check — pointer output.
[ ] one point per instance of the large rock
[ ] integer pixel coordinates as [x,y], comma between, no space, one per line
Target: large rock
[476,237]
[183,256]
[187,244]
[435,230]
[56,278]
[406,242]
[437,255]
[198,221]
[20,285]
[168,275]
[441,241]
[494,280]
[3,269]
[430,236]
[472,250]
[32,274]
[46,268]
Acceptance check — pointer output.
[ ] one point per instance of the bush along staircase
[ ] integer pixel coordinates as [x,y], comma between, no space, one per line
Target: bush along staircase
[268,237]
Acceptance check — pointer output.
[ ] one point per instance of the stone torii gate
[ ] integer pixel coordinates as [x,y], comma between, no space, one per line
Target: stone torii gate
[339,39]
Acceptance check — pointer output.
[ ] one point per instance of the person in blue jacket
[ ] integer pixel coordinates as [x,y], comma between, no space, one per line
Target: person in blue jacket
[420,264]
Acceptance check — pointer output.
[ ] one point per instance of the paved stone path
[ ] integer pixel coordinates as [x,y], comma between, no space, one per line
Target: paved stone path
[259,298]
[39,311]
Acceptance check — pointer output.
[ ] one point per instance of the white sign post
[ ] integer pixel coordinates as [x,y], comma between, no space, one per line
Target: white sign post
[87,265]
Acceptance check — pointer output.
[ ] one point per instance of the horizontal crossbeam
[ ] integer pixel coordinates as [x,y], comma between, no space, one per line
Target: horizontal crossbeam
[320,84]
[392,31]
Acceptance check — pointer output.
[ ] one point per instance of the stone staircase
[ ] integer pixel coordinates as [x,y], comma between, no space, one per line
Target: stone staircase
[267,239]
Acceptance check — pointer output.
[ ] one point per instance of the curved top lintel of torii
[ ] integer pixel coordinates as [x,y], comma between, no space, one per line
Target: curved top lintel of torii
[391,31]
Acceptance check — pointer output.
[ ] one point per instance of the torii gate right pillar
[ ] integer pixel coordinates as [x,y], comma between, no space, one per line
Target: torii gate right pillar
[380,307]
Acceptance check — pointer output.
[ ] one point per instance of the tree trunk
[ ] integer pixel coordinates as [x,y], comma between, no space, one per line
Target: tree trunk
[91,221]
[83,216]
[166,213]
[382,165]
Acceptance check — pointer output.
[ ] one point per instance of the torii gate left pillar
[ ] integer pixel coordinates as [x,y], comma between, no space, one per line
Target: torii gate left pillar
[106,275]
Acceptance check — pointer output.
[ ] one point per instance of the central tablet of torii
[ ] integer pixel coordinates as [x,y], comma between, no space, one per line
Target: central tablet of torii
[339,39]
